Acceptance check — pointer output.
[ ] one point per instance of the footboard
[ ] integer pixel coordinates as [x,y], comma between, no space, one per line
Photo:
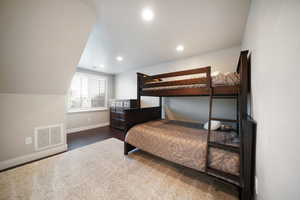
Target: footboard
[140,115]
[137,116]
[248,142]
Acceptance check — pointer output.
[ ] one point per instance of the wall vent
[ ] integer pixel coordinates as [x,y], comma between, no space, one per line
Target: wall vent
[48,136]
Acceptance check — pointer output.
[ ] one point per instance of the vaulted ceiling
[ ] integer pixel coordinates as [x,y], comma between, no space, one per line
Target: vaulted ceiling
[200,25]
[41,44]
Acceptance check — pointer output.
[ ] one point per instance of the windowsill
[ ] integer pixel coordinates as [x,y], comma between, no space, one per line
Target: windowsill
[86,110]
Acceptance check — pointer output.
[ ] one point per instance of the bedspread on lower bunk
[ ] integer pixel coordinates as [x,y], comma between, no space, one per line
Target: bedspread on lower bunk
[182,143]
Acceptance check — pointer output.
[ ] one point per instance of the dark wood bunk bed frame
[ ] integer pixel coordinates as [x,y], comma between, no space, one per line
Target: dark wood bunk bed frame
[246,127]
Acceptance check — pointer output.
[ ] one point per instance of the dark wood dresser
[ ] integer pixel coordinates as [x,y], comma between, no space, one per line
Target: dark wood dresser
[117,114]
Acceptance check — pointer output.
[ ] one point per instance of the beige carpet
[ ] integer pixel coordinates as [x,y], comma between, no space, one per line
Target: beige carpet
[100,171]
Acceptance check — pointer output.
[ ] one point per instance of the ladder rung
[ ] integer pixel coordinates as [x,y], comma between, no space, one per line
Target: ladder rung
[223,174]
[224,120]
[224,147]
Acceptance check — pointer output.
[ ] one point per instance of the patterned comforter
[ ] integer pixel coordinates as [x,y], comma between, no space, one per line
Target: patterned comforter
[182,143]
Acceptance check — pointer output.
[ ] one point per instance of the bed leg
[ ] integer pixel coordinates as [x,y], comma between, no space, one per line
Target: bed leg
[127,148]
[245,194]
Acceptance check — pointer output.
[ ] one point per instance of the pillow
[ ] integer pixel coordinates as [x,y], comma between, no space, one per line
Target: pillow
[213,126]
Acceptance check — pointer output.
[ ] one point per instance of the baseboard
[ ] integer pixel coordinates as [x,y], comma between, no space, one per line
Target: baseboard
[31,157]
[74,130]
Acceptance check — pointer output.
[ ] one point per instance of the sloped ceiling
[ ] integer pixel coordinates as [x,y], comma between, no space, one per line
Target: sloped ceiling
[201,25]
[41,44]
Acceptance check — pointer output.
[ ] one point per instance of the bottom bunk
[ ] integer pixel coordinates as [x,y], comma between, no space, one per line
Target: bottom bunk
[186,144]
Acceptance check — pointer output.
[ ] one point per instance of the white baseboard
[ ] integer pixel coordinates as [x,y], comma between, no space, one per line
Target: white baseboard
[74,130]
[31,157]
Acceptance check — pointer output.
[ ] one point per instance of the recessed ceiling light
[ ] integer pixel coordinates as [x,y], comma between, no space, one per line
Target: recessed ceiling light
[180,48]
[119,58]
[101,66]
[147,14]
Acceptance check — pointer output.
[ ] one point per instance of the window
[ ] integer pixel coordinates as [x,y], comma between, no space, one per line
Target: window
[87,92]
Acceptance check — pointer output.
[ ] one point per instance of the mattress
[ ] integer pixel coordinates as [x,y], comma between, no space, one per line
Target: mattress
[183,143]
[220,79]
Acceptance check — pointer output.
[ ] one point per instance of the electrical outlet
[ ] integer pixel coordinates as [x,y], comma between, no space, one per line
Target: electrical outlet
[256,185]
[28,140]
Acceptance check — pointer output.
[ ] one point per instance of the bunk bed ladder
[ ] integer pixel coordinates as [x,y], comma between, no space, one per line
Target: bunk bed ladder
[223,146]
[245,180]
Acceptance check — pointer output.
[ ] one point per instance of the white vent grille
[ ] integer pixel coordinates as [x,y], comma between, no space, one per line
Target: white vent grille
[48,136]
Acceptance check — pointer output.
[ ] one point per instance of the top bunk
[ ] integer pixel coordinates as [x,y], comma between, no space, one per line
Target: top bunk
[195,82]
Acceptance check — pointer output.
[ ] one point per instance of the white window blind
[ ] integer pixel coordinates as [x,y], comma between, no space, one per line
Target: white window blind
[87,92]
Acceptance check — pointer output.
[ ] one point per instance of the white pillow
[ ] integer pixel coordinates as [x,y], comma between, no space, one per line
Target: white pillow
[213,126]
[215,73]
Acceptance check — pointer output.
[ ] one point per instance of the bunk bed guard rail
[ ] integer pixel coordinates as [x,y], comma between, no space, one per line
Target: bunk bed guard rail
[146,81]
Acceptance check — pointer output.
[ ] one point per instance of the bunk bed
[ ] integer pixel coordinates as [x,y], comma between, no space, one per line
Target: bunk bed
[225,157]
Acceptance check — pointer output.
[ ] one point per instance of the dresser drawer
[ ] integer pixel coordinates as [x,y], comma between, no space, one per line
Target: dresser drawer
[122,124]
[117,115]
[118,123]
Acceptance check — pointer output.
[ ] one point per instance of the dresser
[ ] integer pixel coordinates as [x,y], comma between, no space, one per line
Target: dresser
[117,115]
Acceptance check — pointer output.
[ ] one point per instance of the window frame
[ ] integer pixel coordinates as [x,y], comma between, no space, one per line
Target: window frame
[92,109]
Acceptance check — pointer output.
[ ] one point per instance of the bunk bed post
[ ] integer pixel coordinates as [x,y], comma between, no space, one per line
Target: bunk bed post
[160,101]
[247,133]
[209,87]
[208,76]
[139,87]
[160,104]
[127,148]
[244,86]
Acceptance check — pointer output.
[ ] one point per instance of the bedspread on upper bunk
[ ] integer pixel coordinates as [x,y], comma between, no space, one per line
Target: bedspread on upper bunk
[219,79]
[182,143]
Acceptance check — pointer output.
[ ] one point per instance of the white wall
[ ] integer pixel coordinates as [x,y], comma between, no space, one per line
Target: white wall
[41,44]
[184,108]
[86,120]
[272,35]
[20,114]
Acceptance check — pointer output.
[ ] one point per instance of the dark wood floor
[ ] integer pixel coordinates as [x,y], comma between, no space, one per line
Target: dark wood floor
[83,138]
